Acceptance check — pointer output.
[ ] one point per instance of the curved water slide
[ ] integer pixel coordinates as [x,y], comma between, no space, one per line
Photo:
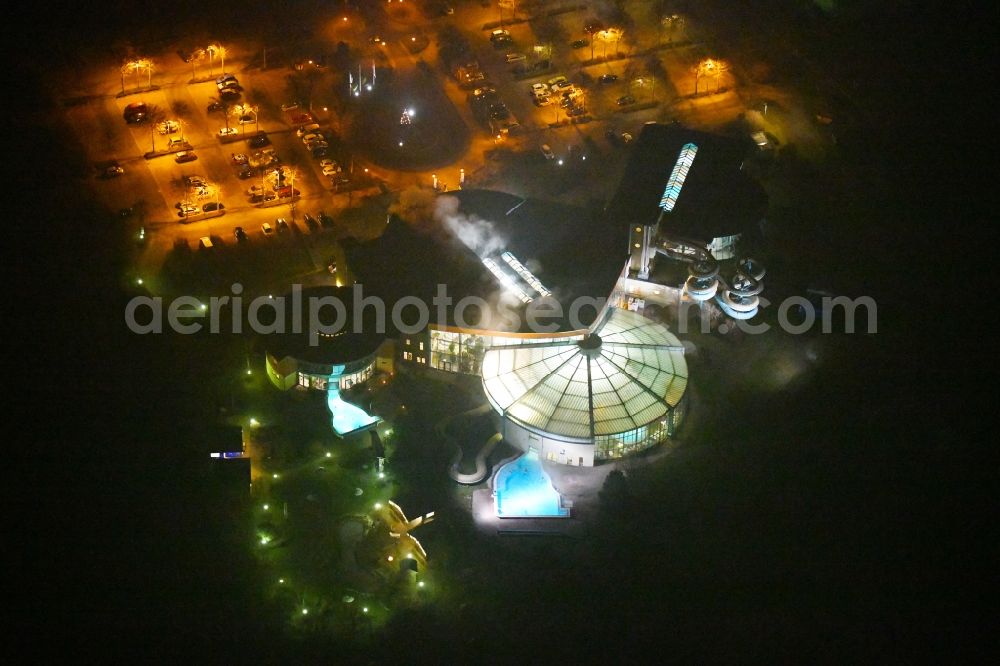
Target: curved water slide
[738,297]
[482,469]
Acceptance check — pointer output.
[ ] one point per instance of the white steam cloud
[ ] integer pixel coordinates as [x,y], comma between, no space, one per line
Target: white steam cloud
[477,234]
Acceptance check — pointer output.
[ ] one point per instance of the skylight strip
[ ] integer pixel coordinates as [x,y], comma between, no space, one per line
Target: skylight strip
[525,274]
[506,280]
[677,176]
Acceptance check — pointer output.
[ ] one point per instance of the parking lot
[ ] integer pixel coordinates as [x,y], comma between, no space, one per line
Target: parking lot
[582,117]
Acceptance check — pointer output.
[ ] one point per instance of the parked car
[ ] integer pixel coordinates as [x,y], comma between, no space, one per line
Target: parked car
[247,118]
[195,181]
[112,170]
[219,80]
[267,229]
[516,57]
[168,127]
[320,151]
[287,191]
[282,224]
[258,141]
[176,142]
[312,136]
[228,131]
[311,221]
[244,171]
[500,37]
[241,236]
[578,43]
[608,78]
[213,206]
[547,152]
[307,129]
[135,113]
[230,94]
[185,156]
[331,169]
[216,106]
[539,88]
[555,80]
[625,100]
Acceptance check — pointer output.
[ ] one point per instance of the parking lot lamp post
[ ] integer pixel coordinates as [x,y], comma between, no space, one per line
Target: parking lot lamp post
[210,49]
[707,66]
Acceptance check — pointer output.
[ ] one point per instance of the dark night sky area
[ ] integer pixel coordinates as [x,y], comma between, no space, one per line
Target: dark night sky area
[865,538]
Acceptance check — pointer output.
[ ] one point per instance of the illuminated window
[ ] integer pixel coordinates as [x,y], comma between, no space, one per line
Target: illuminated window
[421,346]
[407,341]
[677,176]
[407,356]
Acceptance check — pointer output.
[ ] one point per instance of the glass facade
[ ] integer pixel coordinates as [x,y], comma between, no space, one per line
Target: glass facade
[463,352]
[321,382]
[607,447]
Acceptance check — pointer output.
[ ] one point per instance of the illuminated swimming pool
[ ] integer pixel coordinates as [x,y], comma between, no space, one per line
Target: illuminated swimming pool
[345,417]
[522,489]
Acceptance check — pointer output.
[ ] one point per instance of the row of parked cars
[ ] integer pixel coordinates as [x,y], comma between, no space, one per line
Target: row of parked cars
[281,226]
[318,144]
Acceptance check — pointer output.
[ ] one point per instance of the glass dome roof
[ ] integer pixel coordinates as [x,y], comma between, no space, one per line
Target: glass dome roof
[628,373]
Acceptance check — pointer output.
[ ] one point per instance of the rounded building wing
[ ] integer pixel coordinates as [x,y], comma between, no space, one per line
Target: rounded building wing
[626,375]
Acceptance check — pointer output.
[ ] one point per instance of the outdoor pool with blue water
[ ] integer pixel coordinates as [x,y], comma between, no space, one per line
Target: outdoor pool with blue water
[346,417]
[522,489]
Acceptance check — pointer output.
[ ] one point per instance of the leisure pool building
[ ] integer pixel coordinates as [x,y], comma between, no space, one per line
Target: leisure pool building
[610,380]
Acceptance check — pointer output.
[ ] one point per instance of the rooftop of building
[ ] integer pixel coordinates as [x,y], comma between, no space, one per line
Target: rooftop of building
[568,250]
[717,197]
[353,341]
